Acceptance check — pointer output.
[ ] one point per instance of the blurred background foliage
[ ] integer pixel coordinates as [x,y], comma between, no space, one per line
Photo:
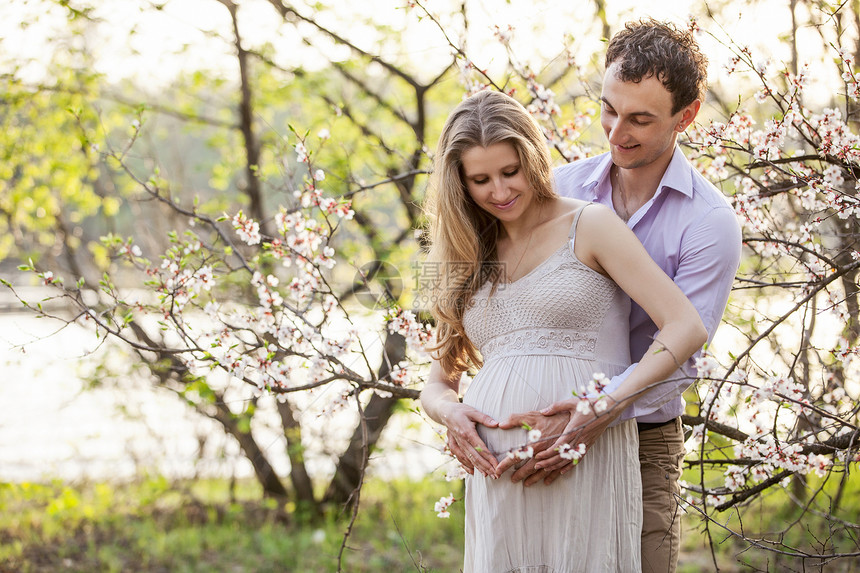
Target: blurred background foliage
[207,103]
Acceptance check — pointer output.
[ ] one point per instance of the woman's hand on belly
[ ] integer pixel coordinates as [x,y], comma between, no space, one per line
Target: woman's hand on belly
[465,444]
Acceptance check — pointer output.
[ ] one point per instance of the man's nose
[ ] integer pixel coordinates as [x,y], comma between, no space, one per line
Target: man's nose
[616,132]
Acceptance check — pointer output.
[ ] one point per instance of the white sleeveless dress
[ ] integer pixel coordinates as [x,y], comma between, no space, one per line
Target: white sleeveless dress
[541,337]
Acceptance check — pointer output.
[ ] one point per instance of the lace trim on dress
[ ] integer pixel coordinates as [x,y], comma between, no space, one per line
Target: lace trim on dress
[527,341]
[530,305]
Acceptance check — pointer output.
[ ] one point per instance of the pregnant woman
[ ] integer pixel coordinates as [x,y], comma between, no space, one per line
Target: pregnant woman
[535,295]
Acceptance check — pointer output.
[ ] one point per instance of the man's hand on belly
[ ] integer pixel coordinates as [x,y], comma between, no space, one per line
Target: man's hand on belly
[584,427]
[551,428]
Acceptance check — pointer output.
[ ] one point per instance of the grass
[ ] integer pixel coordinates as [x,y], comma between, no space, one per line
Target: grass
[152,525]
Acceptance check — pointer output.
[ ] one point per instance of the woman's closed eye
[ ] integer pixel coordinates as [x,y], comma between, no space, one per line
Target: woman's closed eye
[482,180]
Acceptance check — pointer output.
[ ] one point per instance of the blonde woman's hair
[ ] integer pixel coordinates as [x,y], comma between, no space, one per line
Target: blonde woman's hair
[463,236]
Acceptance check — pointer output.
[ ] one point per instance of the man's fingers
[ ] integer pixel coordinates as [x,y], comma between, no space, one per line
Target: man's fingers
[548,453]
[558,407]
[554,464]
[525,469]
[513,421]
[531,419]
[524,472]
[554,475]
[543,444]
[507,463]
[552,451]
[545,476]
[536,477]
[550,462]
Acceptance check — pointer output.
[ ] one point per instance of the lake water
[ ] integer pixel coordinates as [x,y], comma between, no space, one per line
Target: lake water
[51,425]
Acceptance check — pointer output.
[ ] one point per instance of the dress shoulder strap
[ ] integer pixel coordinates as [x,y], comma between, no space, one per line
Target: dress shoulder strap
[571,235]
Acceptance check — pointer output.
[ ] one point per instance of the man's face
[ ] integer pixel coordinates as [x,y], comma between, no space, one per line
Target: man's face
[638,121]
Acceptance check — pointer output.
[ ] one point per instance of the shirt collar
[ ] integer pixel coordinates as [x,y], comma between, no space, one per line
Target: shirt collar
[599,175]
[678,175]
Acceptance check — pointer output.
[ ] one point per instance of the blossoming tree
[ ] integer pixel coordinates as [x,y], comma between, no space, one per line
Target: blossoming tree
[254,301]
[240,305]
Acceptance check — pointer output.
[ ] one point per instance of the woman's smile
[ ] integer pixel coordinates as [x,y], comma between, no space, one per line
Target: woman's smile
[505,206]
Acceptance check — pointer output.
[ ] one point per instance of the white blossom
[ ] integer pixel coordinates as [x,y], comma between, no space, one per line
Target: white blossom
[441,507]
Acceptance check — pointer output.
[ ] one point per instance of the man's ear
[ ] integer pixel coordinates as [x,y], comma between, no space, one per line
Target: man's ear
[688,114]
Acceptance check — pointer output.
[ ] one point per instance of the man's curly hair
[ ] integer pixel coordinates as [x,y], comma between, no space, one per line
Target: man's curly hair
[652,48]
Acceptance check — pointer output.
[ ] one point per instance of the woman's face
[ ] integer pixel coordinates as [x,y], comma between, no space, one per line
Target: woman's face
[495,180]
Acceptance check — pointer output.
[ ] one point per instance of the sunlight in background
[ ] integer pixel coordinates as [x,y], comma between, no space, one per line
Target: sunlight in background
[134,42]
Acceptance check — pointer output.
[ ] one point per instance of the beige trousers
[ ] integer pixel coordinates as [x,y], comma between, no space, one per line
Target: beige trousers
[661,451]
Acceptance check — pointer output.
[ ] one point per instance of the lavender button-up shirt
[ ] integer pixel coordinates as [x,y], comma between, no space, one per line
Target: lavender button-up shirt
[692,233]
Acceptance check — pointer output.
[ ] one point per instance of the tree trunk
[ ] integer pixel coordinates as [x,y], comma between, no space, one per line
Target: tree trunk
[298,472]
[272,486]
[351,464]
[246,124]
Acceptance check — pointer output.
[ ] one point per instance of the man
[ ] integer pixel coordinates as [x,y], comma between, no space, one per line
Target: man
[653,88]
